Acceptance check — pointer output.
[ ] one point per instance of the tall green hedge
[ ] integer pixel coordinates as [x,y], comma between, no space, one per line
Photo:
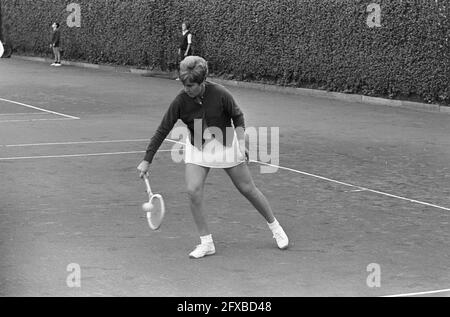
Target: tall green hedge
[306,43]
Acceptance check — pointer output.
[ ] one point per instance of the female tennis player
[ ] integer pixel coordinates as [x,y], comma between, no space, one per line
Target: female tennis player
[215,107]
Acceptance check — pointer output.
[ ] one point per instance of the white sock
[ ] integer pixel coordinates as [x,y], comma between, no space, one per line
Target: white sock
[274,225]
[206,239]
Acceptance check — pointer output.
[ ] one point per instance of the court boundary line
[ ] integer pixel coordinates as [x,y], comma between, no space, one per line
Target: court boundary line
[361,188]
[73,143]
[419,293]
[13,158]
[30,120]
[20,113]
[83,142]
[40,109]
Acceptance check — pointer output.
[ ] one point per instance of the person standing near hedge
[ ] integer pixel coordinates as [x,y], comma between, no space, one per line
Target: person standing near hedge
[7,47]
[55,45]
[185,47]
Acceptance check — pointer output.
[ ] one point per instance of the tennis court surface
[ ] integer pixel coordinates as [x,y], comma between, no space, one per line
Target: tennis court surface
[363,192]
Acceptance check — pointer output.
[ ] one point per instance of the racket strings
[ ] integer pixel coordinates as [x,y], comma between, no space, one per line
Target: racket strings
[156,214]
[155,208]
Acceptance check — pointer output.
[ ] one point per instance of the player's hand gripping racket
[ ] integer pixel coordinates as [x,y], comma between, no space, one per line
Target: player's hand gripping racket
[154,208]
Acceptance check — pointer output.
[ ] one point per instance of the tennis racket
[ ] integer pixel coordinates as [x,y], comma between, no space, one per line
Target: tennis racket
[154,208]
[2,50]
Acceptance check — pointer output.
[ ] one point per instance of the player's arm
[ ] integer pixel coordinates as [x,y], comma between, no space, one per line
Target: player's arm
[189,40]
[237,116]
[168,121]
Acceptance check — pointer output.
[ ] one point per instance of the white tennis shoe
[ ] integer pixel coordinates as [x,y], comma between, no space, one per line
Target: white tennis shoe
[280,236]
[202,250]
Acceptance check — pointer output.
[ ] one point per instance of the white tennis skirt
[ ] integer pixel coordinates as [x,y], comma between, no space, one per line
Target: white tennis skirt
[214,154]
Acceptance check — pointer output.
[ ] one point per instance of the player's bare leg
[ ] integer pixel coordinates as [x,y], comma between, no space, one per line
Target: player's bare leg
[242,179]
[195,182]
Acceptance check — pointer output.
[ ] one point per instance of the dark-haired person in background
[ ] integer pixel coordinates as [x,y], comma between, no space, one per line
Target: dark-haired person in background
[185,47]
[55,45]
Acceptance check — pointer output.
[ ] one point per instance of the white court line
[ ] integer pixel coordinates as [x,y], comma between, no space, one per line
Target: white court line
[40,109]
[74,142]
[22,113]
[28,120]
[356,186]
[74,155]
[83,142]
[359,188]
[419,293]
[173,141]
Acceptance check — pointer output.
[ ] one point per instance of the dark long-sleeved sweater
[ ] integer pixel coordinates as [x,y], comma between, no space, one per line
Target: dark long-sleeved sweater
[216,108]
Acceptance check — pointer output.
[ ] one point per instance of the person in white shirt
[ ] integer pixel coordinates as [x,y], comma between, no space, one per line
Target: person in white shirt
[185,48]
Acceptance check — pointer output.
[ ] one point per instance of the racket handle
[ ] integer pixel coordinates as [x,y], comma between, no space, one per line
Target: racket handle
[147,184]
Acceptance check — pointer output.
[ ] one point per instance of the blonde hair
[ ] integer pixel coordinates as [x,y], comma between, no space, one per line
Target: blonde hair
[193,69]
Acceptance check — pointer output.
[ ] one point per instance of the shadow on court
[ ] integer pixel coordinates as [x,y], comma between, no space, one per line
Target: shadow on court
[358,185]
